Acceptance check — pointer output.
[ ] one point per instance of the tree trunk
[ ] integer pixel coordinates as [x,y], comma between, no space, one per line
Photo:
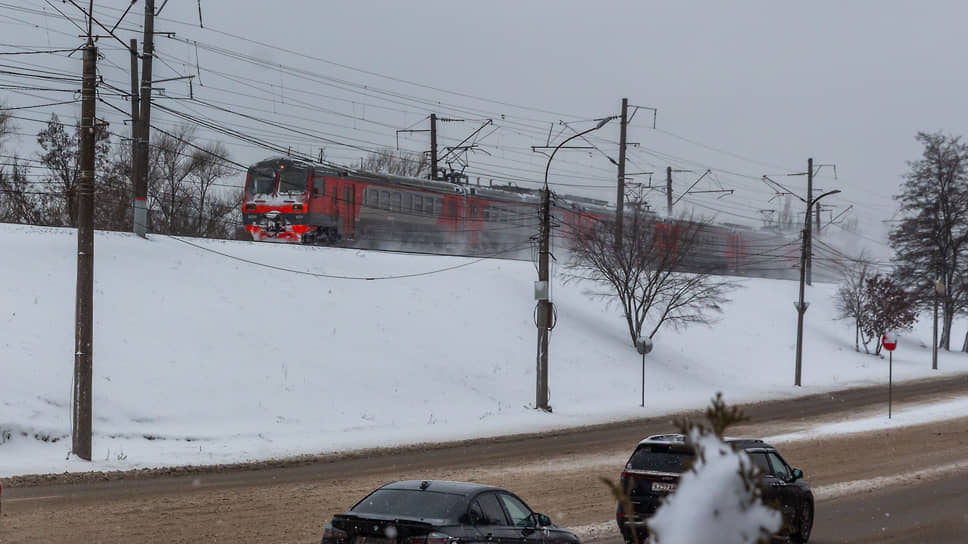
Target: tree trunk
[946,329]
[964,346]
[856,336]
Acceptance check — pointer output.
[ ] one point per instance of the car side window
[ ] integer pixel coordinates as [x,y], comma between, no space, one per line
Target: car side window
[780,469]
[475,514]
[493,513]
[519,512]
[760,462]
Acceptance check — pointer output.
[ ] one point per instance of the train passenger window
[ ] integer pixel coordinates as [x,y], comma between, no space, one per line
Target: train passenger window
[395,202]
[487,214]
[407,202]
[385,200]
[452,209]
[438,206]
[418,204]
[372,198]
[428,205]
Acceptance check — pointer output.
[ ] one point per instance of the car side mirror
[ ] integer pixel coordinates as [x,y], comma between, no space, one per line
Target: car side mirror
[797,474]
[542,520]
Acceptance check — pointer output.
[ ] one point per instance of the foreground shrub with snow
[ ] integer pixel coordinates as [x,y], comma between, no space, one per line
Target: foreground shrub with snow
[717,499]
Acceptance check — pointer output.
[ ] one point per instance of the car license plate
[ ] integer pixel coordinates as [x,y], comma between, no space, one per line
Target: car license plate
[664,487]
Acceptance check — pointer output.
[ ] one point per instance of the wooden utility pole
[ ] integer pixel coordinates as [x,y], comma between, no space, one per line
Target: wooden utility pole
[433,146]
[620,194]
[669,191]
[544,304]
[144,124]
[84,293]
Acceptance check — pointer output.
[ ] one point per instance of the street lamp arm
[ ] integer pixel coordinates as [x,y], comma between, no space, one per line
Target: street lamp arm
[828,193]
[570,138]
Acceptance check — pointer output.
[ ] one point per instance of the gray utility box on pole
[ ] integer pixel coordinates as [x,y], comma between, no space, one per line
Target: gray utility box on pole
[644,346]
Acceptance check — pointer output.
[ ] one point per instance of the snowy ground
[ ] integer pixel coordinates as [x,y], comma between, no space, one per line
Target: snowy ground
[202,359]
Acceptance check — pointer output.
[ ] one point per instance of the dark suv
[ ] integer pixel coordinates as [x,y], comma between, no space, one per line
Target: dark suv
[654,469]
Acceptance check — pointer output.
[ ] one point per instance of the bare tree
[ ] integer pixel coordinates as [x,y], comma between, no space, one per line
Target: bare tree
[172,161]
[397,163]
[849,299]
[113,208]
[658,273]
[60,156]
[22,201]
[931,241]
[211,165]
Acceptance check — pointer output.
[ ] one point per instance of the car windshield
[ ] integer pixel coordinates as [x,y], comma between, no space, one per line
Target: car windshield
[660,459]
[412,503]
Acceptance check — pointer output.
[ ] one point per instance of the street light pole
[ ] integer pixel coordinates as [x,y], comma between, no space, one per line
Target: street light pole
[938,290]
[542,288]
[801,306]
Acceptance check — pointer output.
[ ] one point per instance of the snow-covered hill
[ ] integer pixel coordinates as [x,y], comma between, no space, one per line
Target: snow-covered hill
[200,358]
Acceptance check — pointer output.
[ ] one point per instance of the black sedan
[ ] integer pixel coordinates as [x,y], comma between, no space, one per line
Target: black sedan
[438,512]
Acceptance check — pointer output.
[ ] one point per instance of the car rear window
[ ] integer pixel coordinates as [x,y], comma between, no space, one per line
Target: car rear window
[661,459]
[412,503]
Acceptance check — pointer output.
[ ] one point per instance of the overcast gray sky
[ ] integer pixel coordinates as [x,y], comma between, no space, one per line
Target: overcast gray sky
[744,88]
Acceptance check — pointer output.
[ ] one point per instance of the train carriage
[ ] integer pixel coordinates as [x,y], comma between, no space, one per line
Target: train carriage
[287,200]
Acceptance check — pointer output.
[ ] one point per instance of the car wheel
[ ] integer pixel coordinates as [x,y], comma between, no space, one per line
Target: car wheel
[804,523]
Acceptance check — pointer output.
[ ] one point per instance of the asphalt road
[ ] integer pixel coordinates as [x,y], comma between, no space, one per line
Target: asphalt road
[929,512]
[558,473]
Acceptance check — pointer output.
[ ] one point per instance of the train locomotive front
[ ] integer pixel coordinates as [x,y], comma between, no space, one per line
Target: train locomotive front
[276,201]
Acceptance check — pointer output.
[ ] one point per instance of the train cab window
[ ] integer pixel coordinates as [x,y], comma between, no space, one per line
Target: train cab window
[372,198]
[407,202]
[395,202]
[262,181]
[418,204]
[293,180]
[385,200]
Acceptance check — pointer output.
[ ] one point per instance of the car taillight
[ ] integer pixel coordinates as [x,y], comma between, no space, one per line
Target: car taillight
[432,538]
[331,535]
[297,207]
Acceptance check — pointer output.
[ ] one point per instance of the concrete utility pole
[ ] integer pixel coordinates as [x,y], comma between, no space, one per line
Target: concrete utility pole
[433,146]
[144,124]
[620,194]
[84,294]
[800,305]
[809,247]
[542,288]
[135,133]
[669,191]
